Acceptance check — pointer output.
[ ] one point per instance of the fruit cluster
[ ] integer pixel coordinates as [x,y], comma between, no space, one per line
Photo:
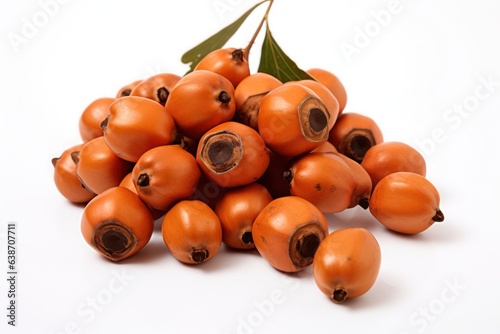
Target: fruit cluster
[221,155]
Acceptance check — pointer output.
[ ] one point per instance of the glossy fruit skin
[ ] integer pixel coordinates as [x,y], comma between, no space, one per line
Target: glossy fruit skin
[165,175]
[192,232]
[330,101]
[90,120]
[118,206]
[237,211]
[136,124]
[99,168]
[332,82]
[199,101]
[323,179]
[127,89]
[389,157]
[255,84]
[231,63]
[284,116]
[353,134]
[362,193]
[66,180]
[128,183]
[347,261]
[273,229]
[248,95]
[253,159]
[406,202]
[156,87]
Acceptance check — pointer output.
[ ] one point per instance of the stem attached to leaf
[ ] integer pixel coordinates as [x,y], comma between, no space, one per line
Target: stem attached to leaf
[254,37]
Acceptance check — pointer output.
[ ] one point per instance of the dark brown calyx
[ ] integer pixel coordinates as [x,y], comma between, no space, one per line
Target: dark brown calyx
[249,111]
[54,161]
[364,203]
[199,255]
[313,118]
[104,124]
[238,55]
[114,240]
[438,217]
[143,180]
[75,156]
[356,143]
[162,94]
[224,97]
[303,243]
[339,295]
[126,92]
[247,238]
[221,151]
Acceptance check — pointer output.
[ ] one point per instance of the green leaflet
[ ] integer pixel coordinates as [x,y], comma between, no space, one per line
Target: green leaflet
[216,41]
[275,62]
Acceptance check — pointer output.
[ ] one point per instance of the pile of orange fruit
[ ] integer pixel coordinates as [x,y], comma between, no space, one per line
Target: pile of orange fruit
[224,156]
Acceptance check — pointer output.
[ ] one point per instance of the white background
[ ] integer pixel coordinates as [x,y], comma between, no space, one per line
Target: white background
[429,59]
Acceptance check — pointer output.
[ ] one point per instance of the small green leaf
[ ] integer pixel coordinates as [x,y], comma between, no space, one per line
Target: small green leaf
[275,62]
[216,41]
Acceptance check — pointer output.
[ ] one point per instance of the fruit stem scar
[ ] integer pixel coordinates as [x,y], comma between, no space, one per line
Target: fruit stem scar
[317,119]
[237,55]
[356,143]
[313,119]
[308,245]
[126,92]
[199,255]
[162,94]
[303,243]
[221,151]
[247,238]
[339,295]
[364,203]
[113,239]
[143,180]
[224,97]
